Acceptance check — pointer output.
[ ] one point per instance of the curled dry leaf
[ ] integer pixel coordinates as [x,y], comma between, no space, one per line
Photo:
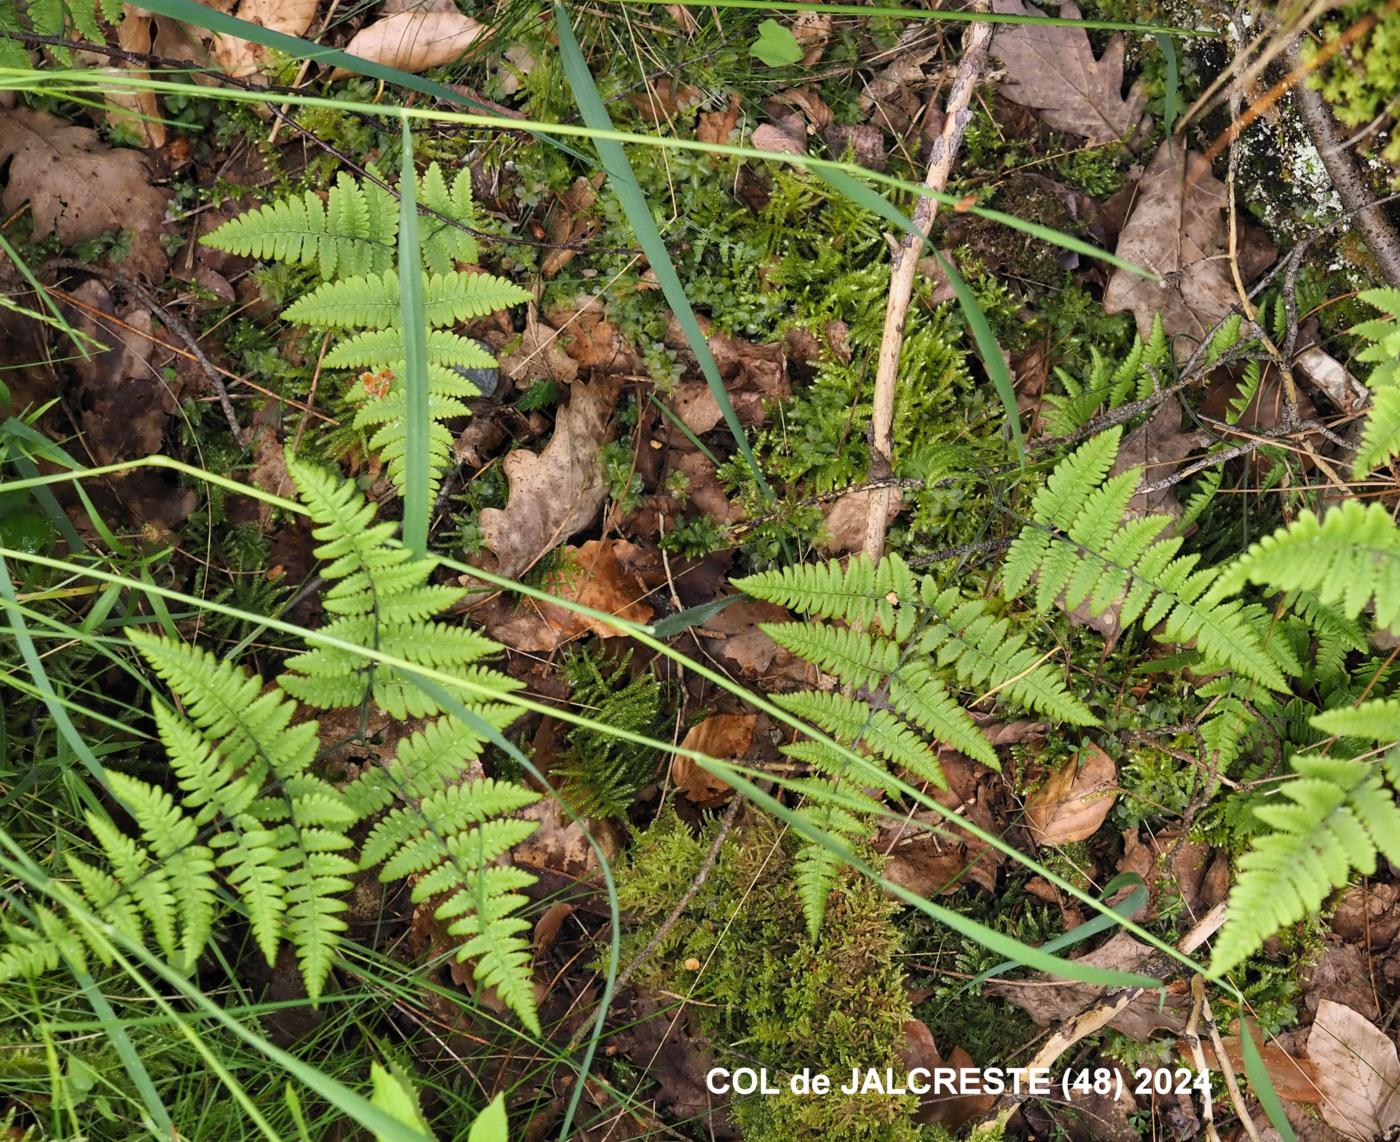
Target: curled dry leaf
[1357,1069]
[1053,69]
[78,187]
[557,492]
[414,41]
[560,845]
[1177,230]
[726,737]
[1074,802]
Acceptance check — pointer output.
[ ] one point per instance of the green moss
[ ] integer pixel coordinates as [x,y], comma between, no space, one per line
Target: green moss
[765,994]
[1359,82]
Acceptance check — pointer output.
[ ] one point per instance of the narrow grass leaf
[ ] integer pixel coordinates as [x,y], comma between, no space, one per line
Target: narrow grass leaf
[131,1061]
[202,16]
[1263,1085]
[989,351]
[1172,100]
[895,13]
[417,484]
[623,181]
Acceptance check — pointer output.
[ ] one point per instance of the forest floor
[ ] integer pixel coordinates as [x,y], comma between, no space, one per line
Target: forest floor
[1140,275]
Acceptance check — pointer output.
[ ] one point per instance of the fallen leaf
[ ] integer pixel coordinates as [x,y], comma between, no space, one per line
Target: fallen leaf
[538,356]
[769,137]
[560,845]
[734,638]
[1294,1078]
[665,100]
[557,492]
[864,142]
[1053,70]
[726,737]
[592,340]
[1176,230]
[811,30]
[595,578]
[414,41]
[571,223]
[136,111]
[1357,1069]
[240,57]
[1368,914]
[718,126]
[269,470]
[1341,973]
[844,531]
[78,187]
[1053,1001]
[1073,803]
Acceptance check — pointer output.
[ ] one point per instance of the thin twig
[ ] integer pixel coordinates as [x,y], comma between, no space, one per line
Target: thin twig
[1095,1018]
[703,874]
[171,322]
[905,265]
[1371,221]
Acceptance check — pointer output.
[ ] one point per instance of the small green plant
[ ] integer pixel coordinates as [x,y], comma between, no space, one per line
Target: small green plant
[603,772]
[350,243]
[249,809]
[1380,442]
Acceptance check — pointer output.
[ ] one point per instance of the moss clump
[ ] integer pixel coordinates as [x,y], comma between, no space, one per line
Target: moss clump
[765,994]
[1359,82]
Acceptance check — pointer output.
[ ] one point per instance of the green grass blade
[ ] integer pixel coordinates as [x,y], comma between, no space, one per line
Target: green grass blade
[989,351]
[417,498]
[73,83]
[1262,1085]
[121,1043]
[201,16]
[982,334]
[895,13]
[623,182]
[52,703]
[1172,100]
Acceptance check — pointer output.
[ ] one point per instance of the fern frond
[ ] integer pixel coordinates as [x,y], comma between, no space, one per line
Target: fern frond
[1348,559]
[1078,548]
[353,232]
[1336,816]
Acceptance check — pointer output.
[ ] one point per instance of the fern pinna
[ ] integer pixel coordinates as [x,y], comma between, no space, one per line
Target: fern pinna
[350,242]
[246,807]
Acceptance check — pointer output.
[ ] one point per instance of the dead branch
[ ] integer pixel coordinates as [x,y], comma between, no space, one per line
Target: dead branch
[905,266]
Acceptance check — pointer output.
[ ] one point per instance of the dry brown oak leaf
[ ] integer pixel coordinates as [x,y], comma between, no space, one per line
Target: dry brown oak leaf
[1053,70]
[560,490]
[78,187]
[240,57]
[1177,230]
[414,41]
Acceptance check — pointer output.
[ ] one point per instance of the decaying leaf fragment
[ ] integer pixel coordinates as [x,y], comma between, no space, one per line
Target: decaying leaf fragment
[557,492]
[1177,230]
[1074,802]
[240,57]
[78,187]
[1053,70]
